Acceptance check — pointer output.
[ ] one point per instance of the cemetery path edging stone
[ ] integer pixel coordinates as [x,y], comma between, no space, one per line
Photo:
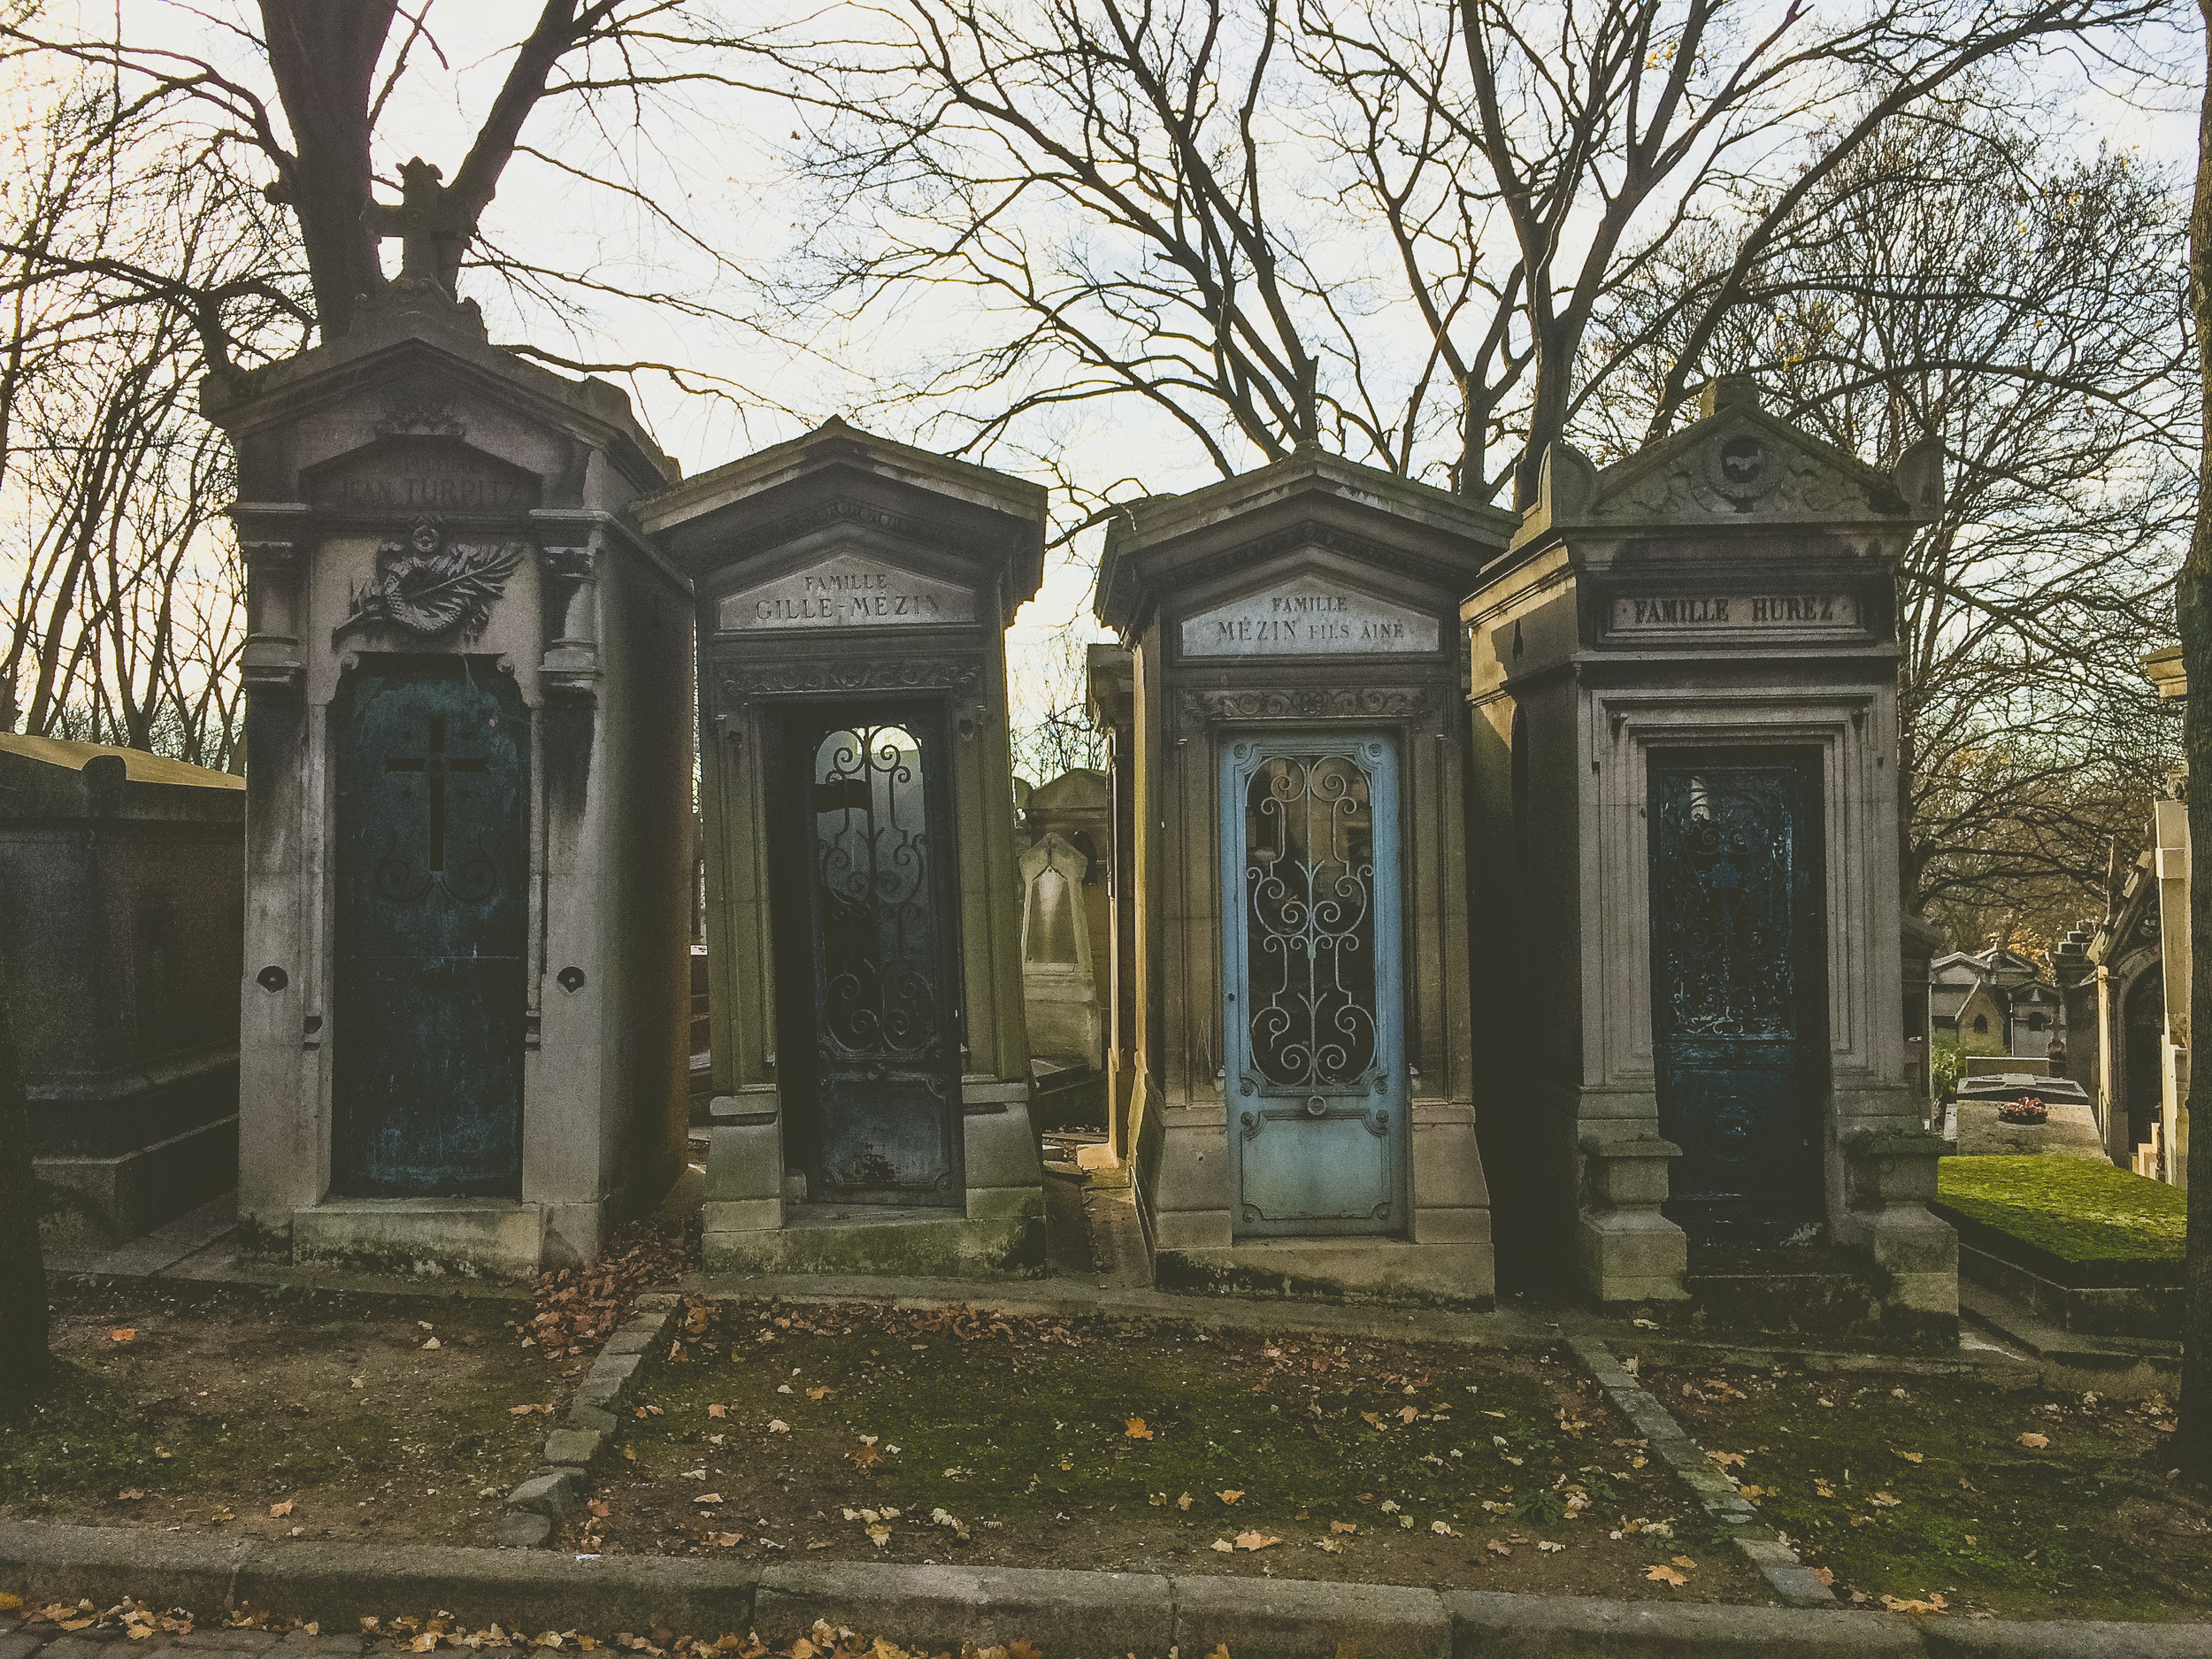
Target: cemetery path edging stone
[1068,1614]
[538,1509]
[1776,1562]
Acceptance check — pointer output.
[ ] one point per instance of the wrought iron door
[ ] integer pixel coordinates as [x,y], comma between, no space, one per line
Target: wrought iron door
[430,757]
[1738,1025]
[1313,1010]
[873,1077]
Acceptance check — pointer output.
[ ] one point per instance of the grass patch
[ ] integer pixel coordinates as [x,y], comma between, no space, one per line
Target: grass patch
[851,1431]
[2078,1210]
[1910,1486]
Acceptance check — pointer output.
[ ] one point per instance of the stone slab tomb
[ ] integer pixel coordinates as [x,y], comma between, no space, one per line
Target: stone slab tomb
[121,890]
[1304,1079]
[863,910]
[1684,677]
[468,849]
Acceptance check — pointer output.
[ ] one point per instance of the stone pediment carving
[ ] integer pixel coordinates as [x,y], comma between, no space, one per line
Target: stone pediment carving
[1742,463]
[1307,703]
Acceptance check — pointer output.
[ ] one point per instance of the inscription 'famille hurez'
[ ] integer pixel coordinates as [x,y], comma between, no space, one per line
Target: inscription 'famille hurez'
[846,592]
[1656,614]
[1305,616]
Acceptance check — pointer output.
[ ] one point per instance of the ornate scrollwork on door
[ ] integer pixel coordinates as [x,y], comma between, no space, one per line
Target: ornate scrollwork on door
[1721,904]
[881,955]
[1309,920]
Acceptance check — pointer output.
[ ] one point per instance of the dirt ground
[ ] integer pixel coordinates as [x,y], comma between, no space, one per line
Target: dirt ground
[2022,1503]
[863,1433]
[387,1420]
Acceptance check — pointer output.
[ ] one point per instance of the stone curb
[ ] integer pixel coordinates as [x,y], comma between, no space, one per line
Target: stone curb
[538,1506]
[1774,1561]
[1068,1614]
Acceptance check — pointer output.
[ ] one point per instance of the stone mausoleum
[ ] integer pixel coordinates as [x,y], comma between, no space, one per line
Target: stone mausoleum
[1305,1083]
[871,1063]
[468,846]
[1684,676]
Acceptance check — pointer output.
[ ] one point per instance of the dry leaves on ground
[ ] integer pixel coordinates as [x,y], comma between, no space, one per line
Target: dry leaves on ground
[2035,1442]
[1136,1431]
[1229,1497]
[1666,1576]
[577,1308]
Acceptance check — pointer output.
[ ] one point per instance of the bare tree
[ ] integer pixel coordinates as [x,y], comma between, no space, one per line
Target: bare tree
[1965,278]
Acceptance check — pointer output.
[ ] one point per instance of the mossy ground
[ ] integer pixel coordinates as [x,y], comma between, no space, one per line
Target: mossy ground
[2086,1527]
[221,1403]
[2079,1210]
[1020,1428]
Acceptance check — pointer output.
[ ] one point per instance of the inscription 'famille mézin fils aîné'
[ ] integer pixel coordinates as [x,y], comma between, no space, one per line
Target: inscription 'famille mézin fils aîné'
[1292,620]
[1737,611]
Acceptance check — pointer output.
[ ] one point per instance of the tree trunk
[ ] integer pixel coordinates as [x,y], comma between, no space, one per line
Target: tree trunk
[25,1363]
[323,54]
[2193,608]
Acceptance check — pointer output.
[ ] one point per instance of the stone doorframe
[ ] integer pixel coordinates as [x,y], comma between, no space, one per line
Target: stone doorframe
[1877,1172]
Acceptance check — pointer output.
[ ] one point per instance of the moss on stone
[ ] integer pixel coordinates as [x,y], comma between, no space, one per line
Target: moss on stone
[2078,1210]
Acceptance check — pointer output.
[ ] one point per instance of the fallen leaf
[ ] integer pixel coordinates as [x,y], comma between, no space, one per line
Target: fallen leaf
[777,1425]
[9,1601]
[1896,1604]
[1496,1548]
[867,1457]
[1183,1503]
[129,1494]
[1685,1563]
[1334,1546]
[1406,1413]
[1222,1652]
[1229,1497]
[1442,1529]
[284,1507]
[1550,1549]
[717,1411]
[1390,1506]
[1019,1648]
[725,1540]
[424,1643]
[1883,1500]
[1727,1460]
[1136,1431]
[881,1534]
[708,1497]
[601,1508]
[1910,1457]
[1665,1575]
[1344,1526]
[1495,1507]
[1822,1489]
[1645,1324]
[1374,1417]
[1254,1541]
[127,1334]
[1826,1576]
[434,1342]
[630,1452]
[2035,1442]
[1224,1546]
[822,1393]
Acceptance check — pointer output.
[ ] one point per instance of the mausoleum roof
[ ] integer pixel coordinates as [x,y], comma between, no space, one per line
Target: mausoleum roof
[138,766]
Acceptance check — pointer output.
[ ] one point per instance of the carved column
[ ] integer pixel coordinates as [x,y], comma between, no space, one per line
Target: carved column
[570,667]
[271,660]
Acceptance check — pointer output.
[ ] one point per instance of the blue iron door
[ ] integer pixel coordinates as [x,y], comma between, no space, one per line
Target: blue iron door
[870,919]
[1739,1034]
[1313,1010]
[431,760]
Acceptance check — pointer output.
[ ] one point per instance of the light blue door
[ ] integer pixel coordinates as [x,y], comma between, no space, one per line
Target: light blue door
[1313,1008]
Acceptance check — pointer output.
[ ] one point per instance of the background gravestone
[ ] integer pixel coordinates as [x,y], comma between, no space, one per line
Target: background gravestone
[121,897]
[468,852]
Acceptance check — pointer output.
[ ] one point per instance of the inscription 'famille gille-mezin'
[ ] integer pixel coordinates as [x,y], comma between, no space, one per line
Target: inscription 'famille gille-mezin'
[847,592]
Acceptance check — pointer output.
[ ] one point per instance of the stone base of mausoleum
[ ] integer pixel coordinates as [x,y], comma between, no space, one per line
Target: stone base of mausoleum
[1367,1269]
[467,1238]
[858,1239]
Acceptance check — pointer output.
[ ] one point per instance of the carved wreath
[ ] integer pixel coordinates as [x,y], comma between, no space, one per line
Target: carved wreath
[428,588]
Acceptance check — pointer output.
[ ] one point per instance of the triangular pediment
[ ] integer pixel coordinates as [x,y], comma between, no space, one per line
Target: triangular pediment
[423,466]
[1741,463]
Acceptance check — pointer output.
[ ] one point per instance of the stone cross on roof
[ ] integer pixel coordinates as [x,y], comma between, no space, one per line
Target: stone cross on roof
[432,225]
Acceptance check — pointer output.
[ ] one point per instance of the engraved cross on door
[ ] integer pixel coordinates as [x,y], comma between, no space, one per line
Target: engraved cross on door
[430,757]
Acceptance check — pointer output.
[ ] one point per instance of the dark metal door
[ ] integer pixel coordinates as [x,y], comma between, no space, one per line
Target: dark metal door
[868,915]
[1313,1011]
[432,759]
[1738,988]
